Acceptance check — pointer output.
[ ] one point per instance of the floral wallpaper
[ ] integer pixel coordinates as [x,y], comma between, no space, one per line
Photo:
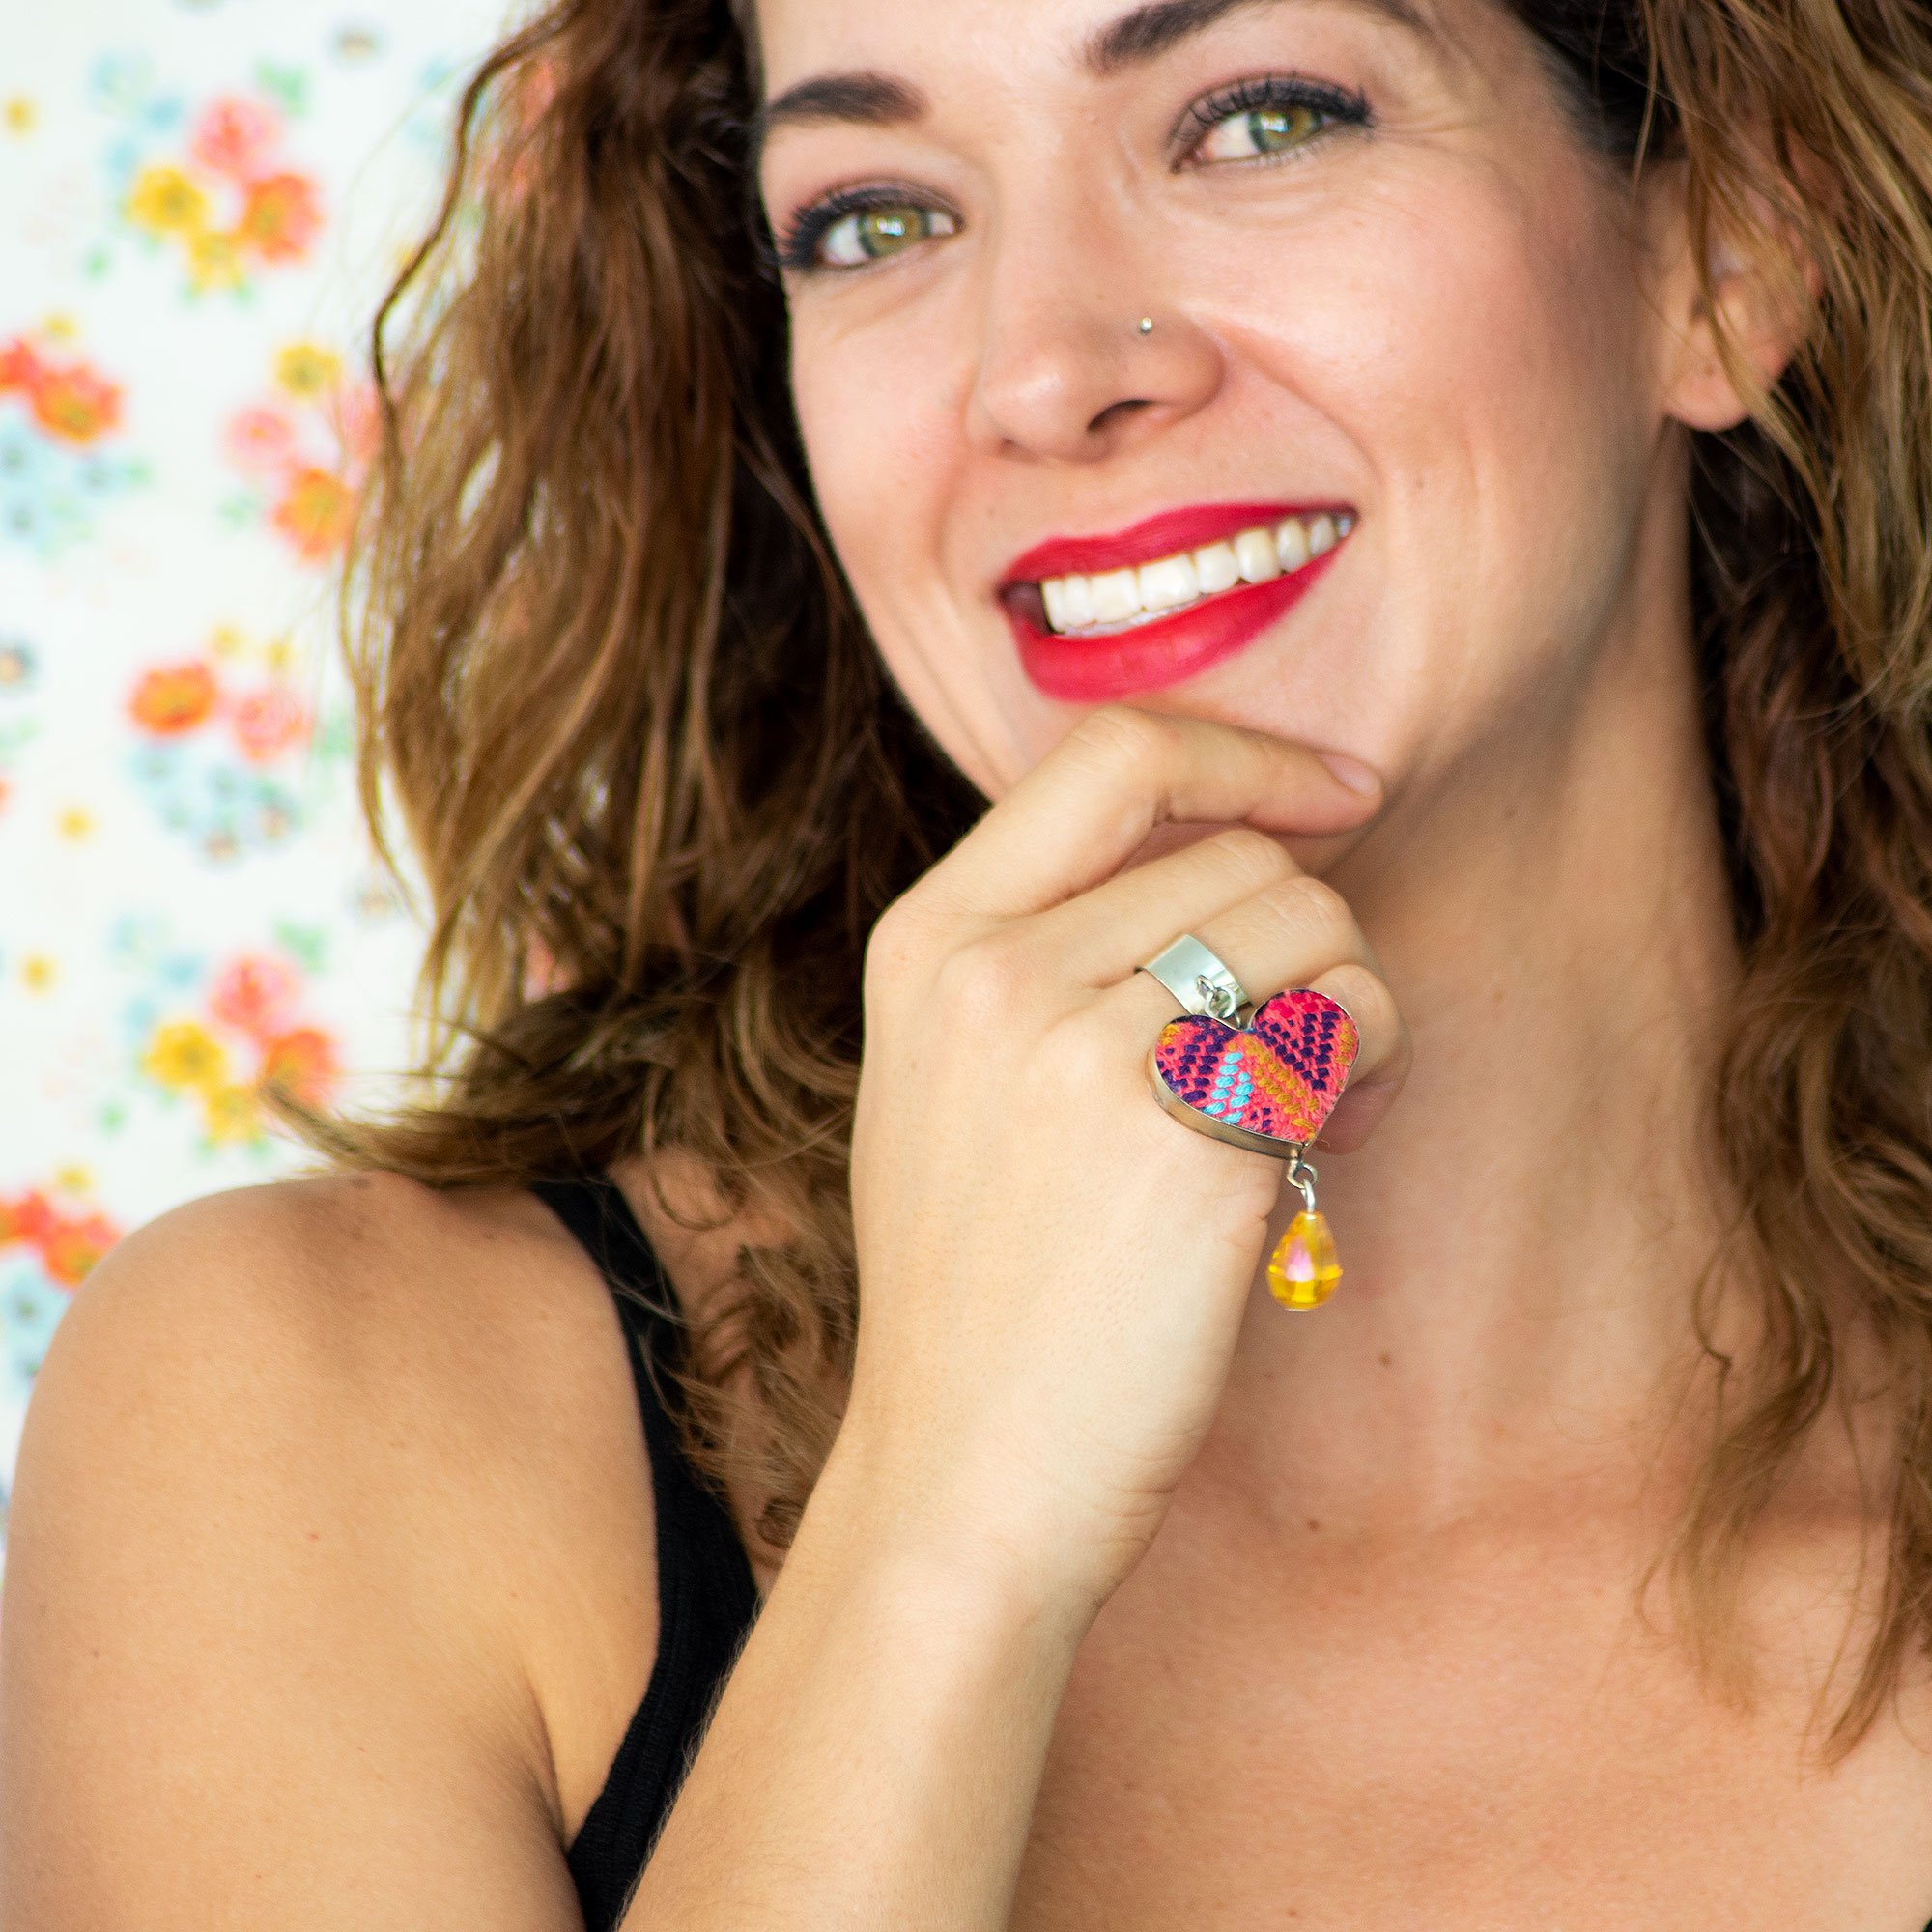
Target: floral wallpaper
[200,202]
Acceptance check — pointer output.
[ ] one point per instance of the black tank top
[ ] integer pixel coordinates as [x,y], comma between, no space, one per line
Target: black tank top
[706,1598]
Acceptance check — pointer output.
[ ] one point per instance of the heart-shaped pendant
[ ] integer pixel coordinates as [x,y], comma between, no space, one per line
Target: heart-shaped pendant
[1269,1086]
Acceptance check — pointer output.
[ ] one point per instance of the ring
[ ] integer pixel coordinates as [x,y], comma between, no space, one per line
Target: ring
[1199,978]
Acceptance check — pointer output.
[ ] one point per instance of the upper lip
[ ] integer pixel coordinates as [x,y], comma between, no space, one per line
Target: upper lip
[1160,535]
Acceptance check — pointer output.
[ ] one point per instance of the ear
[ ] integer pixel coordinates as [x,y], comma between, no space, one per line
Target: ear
[1730,321]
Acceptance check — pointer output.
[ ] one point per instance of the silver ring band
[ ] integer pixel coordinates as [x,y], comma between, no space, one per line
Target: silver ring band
[1199,980]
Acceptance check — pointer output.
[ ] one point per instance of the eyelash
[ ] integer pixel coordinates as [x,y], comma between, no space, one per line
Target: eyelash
[1344,107]
[796,249]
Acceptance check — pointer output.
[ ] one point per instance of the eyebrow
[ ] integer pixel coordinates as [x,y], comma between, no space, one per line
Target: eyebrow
[1149,30]
[870,99]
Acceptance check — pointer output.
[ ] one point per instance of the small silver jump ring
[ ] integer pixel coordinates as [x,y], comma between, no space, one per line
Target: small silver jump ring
[1199,978]
[1300,1174]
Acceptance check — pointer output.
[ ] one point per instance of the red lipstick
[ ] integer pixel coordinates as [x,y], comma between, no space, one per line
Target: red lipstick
[1143,655]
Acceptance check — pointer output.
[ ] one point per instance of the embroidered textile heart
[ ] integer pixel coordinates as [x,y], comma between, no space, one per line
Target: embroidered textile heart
[1278,1078]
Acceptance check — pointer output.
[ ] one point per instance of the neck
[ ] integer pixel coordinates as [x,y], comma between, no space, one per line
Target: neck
[1523,1237]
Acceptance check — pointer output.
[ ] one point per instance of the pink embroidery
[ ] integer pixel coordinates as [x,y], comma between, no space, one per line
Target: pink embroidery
[1279,1077]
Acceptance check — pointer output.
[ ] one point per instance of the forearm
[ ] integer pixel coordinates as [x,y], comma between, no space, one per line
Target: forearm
[874,1759]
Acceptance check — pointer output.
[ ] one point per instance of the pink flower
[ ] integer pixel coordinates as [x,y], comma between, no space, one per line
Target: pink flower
[255,995]
[261,440]
[357,423]
[267,722]
[235,137]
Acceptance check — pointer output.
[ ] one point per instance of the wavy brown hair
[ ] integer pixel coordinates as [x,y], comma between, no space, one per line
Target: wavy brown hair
[613,683]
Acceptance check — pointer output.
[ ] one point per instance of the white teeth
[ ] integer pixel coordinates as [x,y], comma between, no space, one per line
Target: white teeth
[1118,597]
[1216,568]
[1167,584]
[1256,553]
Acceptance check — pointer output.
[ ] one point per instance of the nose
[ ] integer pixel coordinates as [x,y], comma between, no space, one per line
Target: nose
[1066,371]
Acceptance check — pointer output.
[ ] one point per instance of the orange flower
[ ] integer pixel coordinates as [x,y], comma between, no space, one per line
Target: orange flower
[25,1219]
[315,513]
[19,366]
[301,1062]
[280,218]
[68,1244]
[173,698]
[73,1246]
[254,995]
[74,403]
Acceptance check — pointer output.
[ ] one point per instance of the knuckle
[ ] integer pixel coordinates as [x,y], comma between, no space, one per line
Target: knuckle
[1081,1056]
[1255,861]
[896,947]
[1312,908]
[985,983]
[1115,735]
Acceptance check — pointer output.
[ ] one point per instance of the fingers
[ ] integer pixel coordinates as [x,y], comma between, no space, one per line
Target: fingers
[1105,933]
[1087,808]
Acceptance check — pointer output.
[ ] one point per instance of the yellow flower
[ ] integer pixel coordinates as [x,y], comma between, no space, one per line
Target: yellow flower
[75,822]
[307,369]
[214,262]
[230,1114]
[37,972]
[164,201]
[18,115]
[185,1054]
[75,1180]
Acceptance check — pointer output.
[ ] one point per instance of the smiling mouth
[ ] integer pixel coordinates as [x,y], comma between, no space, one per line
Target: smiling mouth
[1106,603]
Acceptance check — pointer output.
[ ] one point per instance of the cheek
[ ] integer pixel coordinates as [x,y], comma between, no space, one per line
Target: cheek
[1476,350]
[876,414]
[880,413]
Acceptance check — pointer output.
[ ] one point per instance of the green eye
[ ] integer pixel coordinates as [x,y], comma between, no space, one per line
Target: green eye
[1261,130]
[871,233]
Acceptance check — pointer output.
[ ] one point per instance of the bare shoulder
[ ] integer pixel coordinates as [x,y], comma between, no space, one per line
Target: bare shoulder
[318,1482]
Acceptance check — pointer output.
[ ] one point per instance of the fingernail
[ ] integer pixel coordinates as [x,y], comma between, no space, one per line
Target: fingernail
[1351,771]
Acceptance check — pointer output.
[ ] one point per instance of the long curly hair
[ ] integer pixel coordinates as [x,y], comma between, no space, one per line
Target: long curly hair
[614,688]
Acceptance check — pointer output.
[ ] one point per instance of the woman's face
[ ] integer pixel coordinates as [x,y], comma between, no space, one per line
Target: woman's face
[1400,330]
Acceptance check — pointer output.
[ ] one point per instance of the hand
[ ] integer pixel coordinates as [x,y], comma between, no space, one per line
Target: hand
[1053,1272]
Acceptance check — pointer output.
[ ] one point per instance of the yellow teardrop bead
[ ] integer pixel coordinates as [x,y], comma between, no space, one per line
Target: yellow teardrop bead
[1303,1270]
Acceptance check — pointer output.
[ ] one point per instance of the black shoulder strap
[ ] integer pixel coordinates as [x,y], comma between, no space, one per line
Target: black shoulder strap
[706,1597]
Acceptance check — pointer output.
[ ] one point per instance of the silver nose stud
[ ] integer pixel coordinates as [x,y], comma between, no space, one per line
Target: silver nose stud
[1144,324]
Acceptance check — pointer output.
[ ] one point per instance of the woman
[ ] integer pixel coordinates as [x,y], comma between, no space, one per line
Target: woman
[1427,500]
